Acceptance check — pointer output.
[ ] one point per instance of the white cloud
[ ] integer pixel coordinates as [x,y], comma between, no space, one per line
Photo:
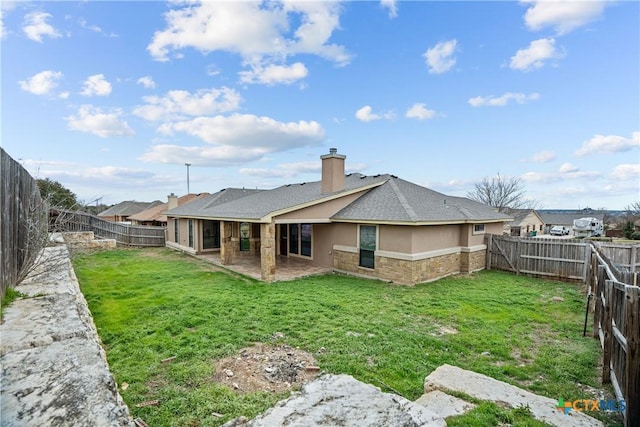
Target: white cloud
[35,26]
[440,58]
[147,82]
[278,30]
[96,85]
[284,170]
[273,74]
[543,157]
[365,114]
[609,144]
[392,6]
[92,27]
[626,172]
[563,16]
[42,83]
[420,112]
[178,104]
[535,55]
[234,139]
[501,101]
[93,120]
[568,168]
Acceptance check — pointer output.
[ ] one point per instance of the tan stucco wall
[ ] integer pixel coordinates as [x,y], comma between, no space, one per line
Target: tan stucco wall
[320,211]
[415,239]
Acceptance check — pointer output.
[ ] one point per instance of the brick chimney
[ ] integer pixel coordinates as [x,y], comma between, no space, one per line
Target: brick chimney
[332,171]
[172,201]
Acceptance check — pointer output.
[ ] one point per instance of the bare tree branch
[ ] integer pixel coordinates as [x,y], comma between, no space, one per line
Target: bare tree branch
[502,193]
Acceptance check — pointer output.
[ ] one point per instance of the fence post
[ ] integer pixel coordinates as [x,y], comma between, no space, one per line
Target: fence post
[489,249]
[632,259]
[517,257]
[632,369]
[607,330]
[599,290]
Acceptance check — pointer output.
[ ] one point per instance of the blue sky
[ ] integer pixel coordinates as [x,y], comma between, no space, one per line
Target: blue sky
[113,98]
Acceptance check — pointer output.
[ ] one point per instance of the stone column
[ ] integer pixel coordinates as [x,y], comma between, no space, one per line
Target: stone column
[226,246]
[268,251]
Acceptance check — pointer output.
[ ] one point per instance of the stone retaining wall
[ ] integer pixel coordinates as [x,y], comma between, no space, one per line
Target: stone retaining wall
[54,370]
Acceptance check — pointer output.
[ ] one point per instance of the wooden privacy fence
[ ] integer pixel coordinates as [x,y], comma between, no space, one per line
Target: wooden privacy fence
[124,234]
[23,222]
[551,258]
[610,271]
[616,324]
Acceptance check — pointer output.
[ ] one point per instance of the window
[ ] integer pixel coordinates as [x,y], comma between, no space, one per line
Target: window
[367,246]
[210,234]
[245,232]
[294,237]
[479,228]
[176,228]
[190,233]
[305,239]
[300,239]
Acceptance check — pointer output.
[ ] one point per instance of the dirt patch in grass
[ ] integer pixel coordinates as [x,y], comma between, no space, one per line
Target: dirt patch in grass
[262,367]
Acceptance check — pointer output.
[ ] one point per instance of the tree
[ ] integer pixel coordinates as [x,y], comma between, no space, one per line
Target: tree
[56,194]
[502,192]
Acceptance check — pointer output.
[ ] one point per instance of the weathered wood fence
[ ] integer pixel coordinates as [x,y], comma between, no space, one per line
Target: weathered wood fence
[550,258]
[124,234]
[23,222]
[610,271]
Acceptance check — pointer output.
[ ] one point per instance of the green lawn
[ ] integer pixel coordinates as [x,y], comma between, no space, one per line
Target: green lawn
[149,305]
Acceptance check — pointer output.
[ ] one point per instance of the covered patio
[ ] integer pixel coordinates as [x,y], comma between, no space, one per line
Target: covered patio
[287,268]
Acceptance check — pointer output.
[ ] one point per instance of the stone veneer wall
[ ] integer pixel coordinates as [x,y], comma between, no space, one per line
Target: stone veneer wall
[473,261]
[412,272]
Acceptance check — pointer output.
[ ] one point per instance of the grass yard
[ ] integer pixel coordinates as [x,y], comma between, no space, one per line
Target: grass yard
[149,305]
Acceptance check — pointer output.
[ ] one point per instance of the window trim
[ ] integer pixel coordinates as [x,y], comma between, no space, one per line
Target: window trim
[377,233]
[191,230]
[476,231]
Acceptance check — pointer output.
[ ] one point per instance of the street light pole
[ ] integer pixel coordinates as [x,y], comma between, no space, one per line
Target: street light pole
[187,165]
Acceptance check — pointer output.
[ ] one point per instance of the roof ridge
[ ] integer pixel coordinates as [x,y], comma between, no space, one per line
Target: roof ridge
[403,200]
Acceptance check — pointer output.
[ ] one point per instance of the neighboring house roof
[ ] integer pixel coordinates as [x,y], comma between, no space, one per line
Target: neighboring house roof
[156,213]
[519,215]
[388,199]
[398,200]
[128,208]
[567,217]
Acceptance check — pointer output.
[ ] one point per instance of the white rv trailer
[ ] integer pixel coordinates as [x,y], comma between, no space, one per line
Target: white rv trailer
[587,227]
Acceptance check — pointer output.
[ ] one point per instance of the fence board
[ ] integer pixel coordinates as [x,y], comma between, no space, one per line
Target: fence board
[22,222]
[124,234]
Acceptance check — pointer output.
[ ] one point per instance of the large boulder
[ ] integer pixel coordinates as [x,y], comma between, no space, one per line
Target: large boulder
[341,400]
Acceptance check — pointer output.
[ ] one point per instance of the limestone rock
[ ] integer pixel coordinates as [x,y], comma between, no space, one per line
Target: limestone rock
[342,400]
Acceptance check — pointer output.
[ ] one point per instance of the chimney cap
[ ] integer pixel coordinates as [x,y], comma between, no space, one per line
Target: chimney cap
[333,150]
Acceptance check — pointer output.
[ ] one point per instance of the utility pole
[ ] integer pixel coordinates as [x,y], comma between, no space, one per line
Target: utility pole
[187,165]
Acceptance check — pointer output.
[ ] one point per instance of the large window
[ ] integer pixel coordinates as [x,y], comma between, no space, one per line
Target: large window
[300,239]
[210,234]
[190,233]
[367,245]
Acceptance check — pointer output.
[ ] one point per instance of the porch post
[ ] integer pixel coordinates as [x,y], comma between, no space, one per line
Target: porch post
[226,247]
[268,251]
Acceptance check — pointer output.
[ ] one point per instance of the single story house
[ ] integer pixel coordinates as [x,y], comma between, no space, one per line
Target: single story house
[525,222]
[379,226]
[123,210]
[155,216]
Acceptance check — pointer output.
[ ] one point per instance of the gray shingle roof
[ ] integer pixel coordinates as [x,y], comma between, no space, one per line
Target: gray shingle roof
[128,207]
[263,203]
[200,206]
[398,200]
[388,199]
[567,217]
